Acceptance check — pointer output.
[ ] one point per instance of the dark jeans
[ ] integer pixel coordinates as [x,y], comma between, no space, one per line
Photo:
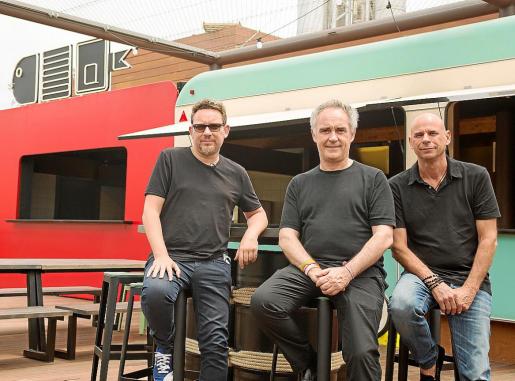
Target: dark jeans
[359,310]
[210,285]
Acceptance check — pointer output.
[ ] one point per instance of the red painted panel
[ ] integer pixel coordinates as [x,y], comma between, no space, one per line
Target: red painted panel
[79,123]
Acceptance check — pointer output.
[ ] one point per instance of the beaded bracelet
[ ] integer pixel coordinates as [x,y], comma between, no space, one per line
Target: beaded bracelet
[435,284]
[432,281]
[310,267]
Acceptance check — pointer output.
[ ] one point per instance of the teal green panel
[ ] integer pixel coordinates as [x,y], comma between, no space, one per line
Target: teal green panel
[501,275]
[465,45]
[502,278]
[391,268]
[235,245]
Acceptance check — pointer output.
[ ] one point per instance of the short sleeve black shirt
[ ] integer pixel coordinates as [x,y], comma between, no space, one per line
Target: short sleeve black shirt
[199,202]
[334,212]
[441,225]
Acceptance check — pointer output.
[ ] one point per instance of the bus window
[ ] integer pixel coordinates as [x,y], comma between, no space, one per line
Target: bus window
[486,136]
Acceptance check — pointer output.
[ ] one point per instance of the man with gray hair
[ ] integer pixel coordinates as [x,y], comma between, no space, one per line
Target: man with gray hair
[336,223]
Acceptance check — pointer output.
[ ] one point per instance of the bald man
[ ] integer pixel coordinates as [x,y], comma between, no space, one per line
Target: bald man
[445,238]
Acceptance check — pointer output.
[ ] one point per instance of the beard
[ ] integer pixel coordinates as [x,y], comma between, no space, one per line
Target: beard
[207,150]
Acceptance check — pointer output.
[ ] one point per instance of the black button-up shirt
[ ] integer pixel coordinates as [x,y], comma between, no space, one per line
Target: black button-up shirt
[441,224]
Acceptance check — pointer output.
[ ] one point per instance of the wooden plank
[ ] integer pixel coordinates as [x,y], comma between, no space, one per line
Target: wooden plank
[53,291]
[91,309]
[32,312]
[479,125]
[69,264]
[172,63]
[185,76]
[379,134]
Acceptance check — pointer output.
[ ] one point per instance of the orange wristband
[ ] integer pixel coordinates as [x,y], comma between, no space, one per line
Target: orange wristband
[303,265]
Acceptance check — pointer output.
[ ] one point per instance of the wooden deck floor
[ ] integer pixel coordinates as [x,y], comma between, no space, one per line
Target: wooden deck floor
[15,367]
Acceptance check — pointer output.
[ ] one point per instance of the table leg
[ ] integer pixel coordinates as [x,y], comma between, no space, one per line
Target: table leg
[35,298]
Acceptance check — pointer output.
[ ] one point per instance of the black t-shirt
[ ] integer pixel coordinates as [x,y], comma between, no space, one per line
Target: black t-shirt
[441,225]
[334,212]
[199,202]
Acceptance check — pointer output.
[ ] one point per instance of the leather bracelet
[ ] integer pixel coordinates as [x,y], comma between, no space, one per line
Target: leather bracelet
[349,270]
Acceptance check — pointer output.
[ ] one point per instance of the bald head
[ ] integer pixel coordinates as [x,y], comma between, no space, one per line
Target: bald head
[428,137]
[427,119]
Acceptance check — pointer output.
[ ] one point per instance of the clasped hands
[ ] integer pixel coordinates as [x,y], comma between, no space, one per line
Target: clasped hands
[331,280]
[453,301]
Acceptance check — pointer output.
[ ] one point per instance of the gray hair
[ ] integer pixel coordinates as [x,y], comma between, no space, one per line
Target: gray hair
[351,112]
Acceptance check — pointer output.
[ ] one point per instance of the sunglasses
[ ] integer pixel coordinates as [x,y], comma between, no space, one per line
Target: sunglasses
[213,127]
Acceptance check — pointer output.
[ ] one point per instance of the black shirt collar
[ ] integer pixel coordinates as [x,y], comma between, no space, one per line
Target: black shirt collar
[453,167]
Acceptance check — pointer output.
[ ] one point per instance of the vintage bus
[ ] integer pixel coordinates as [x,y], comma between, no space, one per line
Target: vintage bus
[464,74]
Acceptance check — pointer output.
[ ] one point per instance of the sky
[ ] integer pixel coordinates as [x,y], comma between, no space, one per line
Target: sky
[20,38]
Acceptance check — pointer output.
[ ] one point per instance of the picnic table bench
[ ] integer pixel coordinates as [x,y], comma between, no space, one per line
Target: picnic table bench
[84,311]
[57,291]
[53,314]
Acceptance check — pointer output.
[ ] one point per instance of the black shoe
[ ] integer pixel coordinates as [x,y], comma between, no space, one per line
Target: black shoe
[308,375]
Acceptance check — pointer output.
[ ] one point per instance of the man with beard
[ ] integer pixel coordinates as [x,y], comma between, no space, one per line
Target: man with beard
[336,223]
[187,215]
[445,239]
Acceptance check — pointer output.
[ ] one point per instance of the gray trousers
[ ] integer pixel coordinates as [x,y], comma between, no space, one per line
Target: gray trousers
[359,310]
[210,285]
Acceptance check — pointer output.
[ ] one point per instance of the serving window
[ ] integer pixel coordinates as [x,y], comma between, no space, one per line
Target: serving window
[73,185]
[484,134]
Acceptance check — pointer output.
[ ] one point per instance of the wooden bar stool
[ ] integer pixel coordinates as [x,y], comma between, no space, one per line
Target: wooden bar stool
[103,349]
[133,290]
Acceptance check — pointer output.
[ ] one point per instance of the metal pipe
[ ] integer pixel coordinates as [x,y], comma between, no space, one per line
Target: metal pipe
[107,32]
[506,7]
[427,17]
[419,19]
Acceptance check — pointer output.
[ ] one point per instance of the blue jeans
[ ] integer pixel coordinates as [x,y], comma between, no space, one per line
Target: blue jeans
[470,330]
[210,285]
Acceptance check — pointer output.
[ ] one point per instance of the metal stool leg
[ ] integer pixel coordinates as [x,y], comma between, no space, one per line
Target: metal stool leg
[128,318]
[112,295]
[324,328]
[403,362]
[275,353]
[390,352]
[100,329]
[180,337]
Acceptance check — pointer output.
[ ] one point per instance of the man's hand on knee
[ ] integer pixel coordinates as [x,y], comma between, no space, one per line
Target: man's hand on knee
[163,265]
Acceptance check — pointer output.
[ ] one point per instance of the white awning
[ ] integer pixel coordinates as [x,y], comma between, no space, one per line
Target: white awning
[291,117]
[240,122]
[447,96]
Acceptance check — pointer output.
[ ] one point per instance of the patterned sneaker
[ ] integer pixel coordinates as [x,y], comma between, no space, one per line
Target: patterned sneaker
[162,366]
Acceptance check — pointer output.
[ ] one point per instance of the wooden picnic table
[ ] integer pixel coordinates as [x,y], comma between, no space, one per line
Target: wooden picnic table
[34,267]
